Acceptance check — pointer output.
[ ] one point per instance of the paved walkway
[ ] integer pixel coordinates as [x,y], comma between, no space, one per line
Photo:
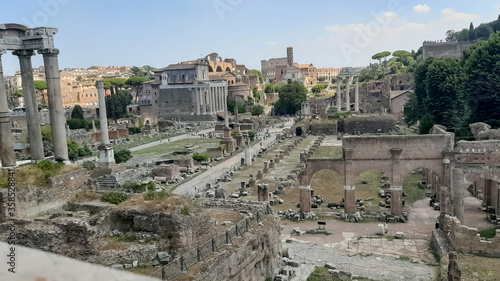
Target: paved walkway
[176,138]
[198,183]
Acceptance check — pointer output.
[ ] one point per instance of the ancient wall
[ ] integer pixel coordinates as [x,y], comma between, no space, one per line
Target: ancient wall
[256,258]
[466,239]
[367,125]
[323,128]
[33,200]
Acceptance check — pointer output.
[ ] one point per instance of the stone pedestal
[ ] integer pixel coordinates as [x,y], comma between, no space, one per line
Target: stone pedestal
[106,156]
[282,155]
[396,200]
[228,140]
[259,175]
[251,182]
[263,192]
[248,153]
[276,159]
[349,199]
[271,164]
[305,198]
[240,140]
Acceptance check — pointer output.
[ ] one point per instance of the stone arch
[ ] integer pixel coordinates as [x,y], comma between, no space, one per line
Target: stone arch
[228,69]
[330,187]
[315,165]
[218,69]
[210,68]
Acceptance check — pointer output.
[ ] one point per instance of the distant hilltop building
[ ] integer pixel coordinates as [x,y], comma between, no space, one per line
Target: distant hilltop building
[284,69]
[439,49]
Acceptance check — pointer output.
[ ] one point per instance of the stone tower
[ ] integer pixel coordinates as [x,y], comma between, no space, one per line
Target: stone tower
[289,55]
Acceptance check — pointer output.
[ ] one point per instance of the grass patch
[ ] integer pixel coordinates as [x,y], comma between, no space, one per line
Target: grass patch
[156,195]
[86,195]
[114,198]
[37,174]
[404,258]
[328,152]
[127,237]
[476,268]
[165,148]
[368,185]
[185,211]
[488,233]
[410,186]
[139,187]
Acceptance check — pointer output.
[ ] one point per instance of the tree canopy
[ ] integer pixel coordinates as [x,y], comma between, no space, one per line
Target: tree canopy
[116,104]
[290,98]
[77,112]
[136,84]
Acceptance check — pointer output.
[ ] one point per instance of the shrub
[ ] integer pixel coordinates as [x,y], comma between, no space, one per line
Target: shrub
[488,233]
[49,166]
[185,211]
[75,151]
[122,156]
[201,157]
[156,195]
[251,135]
[134,130]
[88,165]
[114,198]
[135,187]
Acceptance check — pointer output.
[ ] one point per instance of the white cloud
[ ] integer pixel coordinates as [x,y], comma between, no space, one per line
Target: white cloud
[272,43]
[422,8]
[497,7]
[356,43]
[451,15]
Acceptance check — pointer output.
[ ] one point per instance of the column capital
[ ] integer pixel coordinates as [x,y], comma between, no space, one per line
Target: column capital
[23,53]
[48,51]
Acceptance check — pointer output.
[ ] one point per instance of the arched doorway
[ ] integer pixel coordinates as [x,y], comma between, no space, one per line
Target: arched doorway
[298,131]
[368,185]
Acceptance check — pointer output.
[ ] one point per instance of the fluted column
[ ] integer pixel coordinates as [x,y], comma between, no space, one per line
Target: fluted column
[356,95]
[56,110]
[203,101]
[32,115]
[347,96]
[7,155]
[226,114]
[339,99]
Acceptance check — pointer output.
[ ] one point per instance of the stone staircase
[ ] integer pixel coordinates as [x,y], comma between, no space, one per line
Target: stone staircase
[107,182]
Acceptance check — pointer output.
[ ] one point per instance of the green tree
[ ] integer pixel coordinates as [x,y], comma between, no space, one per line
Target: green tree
[379,57]
[77,112]
[321,79]
[41,86]
[403,57]
[269,88]
[451,35]
[116,104]
[290,98]
[230,105]
[261,80]
[483,31]
[257,110]
[318,88]
[472,33]
[136,84]
[482,83]
[137,71]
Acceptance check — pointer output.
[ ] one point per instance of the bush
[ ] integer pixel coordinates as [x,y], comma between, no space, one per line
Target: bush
[135,187]
[201,157]
[257,110]
[122,156]
[114,198]
[488,233]
[156,195]
[251,135]
[49,166]
[75,151]
[88,165]
[134,130]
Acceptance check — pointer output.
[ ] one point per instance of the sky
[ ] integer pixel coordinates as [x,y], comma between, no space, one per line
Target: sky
[327,33]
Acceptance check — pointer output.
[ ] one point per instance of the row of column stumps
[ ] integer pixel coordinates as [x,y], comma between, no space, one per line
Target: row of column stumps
[267,167]
[347,93]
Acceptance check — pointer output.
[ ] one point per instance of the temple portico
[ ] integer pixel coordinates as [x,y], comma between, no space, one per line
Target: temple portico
[348,74]
[23,42]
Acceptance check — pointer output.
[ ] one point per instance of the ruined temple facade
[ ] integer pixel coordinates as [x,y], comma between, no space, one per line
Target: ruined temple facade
[186,92]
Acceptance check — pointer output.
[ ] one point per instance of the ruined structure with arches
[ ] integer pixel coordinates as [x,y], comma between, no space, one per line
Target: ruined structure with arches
[449,169]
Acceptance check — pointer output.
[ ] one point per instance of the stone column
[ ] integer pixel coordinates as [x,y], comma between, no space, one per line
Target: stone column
[226,114]
[248,153]
[203,100]
[7,155]
[106,152]
[197,101]
[396,200]
[56,110]
[349,199]
[305,198]
[339,99]
[457,193]
[32,115]
[347,96]
[356,95]
[102,112]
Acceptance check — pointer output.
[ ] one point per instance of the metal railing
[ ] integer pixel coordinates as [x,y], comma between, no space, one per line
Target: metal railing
[199,254]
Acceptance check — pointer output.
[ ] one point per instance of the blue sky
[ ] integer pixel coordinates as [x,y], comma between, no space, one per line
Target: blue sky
[327,33]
